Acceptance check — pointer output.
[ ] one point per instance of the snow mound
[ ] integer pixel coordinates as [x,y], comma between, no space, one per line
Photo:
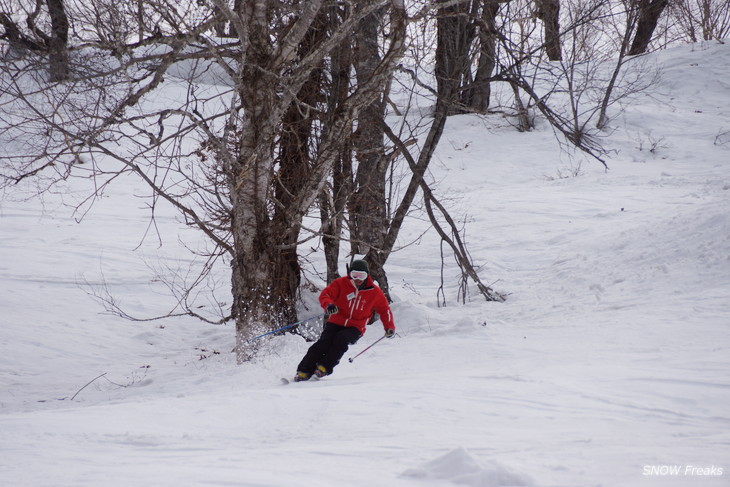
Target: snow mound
[460,468]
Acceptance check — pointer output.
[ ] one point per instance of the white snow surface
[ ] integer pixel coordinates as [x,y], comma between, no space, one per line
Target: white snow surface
[608,365]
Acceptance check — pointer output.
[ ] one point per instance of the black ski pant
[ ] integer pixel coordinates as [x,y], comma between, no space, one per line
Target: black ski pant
[329,349]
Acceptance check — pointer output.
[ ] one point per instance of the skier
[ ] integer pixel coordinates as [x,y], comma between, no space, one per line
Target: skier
[349,303]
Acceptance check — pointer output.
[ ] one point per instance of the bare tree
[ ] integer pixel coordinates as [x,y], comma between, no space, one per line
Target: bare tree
[649,13]
[466,49]
[701,19]
[549,12]
[45,33]
[332,201]
[367,204]
[229,161]
[455,35]
[452,236]
[620,60]
[477,96]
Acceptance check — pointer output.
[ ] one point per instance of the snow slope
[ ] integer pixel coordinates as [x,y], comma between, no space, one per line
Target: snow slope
[607,366]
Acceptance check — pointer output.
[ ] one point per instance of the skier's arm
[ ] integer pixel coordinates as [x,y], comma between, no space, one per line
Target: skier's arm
[386,314]
[328,295]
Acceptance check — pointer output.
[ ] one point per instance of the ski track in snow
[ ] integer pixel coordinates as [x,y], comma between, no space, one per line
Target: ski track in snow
[610,355]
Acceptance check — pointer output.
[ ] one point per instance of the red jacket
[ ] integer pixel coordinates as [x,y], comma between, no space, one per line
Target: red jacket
[355,306]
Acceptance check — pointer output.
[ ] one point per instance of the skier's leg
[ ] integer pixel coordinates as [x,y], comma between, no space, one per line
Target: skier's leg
[345,337]
[318,349]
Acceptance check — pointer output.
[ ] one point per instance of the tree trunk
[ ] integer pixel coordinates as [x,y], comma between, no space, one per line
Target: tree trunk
[369,220]
[453,41]
[549,12]
[481,91]
[333,200]
[298,137]
[332,204]
[649,13]
[254,264]
[602,121]
[58,50]
[140,20]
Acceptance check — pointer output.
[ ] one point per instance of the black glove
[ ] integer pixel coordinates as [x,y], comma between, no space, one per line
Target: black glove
[332,309]
[390,333]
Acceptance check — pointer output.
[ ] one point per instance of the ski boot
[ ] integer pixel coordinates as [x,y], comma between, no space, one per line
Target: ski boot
[320,371]
[301,376]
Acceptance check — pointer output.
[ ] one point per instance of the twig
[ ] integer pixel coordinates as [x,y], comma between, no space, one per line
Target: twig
[88,384]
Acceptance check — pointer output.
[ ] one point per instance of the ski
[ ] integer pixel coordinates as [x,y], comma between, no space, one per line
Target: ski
[285,381]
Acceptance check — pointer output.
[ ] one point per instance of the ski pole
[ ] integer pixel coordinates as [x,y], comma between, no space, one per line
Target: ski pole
[371,346]
[291,325]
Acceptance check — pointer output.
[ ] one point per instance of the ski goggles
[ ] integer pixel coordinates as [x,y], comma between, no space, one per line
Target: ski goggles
[359,275]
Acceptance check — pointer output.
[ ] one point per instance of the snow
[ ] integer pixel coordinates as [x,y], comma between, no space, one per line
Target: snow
[607,365]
